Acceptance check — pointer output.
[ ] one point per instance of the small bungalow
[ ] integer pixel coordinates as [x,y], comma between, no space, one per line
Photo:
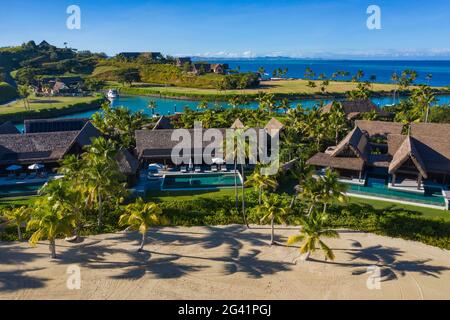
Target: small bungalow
[203,67]
[353,109]
[128,166]
[180,62]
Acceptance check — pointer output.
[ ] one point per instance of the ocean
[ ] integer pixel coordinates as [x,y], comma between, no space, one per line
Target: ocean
[383,70]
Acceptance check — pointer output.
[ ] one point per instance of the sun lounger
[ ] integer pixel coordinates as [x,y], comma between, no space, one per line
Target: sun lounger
[214,169]
[32,176]
[223,169]
[198,169]
[23,176]
[183,170]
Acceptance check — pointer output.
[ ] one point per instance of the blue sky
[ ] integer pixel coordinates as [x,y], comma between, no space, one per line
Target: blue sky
[410,28]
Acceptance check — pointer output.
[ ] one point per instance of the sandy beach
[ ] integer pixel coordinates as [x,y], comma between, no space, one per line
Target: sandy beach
[224,263]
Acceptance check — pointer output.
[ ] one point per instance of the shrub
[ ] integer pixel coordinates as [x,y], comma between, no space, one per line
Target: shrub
[7,93]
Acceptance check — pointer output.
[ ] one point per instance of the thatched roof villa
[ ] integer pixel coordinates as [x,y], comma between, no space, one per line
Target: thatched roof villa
[408,160]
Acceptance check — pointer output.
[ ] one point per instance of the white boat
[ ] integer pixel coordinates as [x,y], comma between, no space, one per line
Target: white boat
[112,94]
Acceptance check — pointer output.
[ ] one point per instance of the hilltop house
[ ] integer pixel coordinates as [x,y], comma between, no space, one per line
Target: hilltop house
[203,67]
[180,62]
[60,86]
[154,56]
[353,109]
[379,148]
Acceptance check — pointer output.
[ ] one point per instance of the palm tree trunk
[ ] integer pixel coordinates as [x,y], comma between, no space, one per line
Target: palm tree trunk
[19,233]
[260,196]
[324,207]
[293,201]
[243,197]
[236,195]
[144,238]
[272,235]
[52,248]
[308,254]
[100,212]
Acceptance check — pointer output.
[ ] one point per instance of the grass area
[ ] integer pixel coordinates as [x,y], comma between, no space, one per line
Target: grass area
[283,87]
[164,196]
[40,103]
[425,212]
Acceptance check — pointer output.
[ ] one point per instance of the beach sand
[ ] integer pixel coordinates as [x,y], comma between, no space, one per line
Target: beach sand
[228,262]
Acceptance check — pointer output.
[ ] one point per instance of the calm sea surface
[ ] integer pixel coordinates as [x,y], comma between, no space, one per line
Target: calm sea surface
[383,70]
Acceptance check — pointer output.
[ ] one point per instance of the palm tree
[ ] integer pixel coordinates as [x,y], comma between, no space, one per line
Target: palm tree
[24,93]
[395,79]
[101,175]
[203,105]
[261,183]
[331,189]
[284,105]
[301,172]
[141,216]
[274,208]
[152,106]
[235,101]
[311,234]
[337,120]
[49,223]
[18,217]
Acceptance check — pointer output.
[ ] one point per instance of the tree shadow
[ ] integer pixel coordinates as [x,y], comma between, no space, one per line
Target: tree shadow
[388,259]
[11,254]
[17,280]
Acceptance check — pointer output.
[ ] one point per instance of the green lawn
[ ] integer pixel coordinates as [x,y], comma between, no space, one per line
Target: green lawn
[40,103]
[161,196]
[425,212]
[291,87]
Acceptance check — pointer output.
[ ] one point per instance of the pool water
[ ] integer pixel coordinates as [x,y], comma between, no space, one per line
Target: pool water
[199,181]
[378,187]
[18,190]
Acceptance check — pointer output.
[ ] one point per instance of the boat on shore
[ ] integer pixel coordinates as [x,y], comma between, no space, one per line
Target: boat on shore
[112,94]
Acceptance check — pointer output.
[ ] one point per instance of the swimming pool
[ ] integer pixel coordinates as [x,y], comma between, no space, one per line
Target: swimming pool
[20,190]
[200,181]
[378,188]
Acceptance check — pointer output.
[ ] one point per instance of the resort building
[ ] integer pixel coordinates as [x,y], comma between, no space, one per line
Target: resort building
[377,152]
[203,67]
[353,109]
[54,125]
[46,148]
[154,56]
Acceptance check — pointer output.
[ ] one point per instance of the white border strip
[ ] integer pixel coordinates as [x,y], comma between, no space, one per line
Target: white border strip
[397,201]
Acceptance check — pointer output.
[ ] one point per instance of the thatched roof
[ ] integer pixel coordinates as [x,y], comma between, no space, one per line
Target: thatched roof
[438,130]
[274,126]
[159,144]
[163,123]
[237,124]
[54,125]
[326,160]
[128,164]
[8,128]
[383,128]
[353,108]
[356,141]
[408,150]
[43,147]
[35,147]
